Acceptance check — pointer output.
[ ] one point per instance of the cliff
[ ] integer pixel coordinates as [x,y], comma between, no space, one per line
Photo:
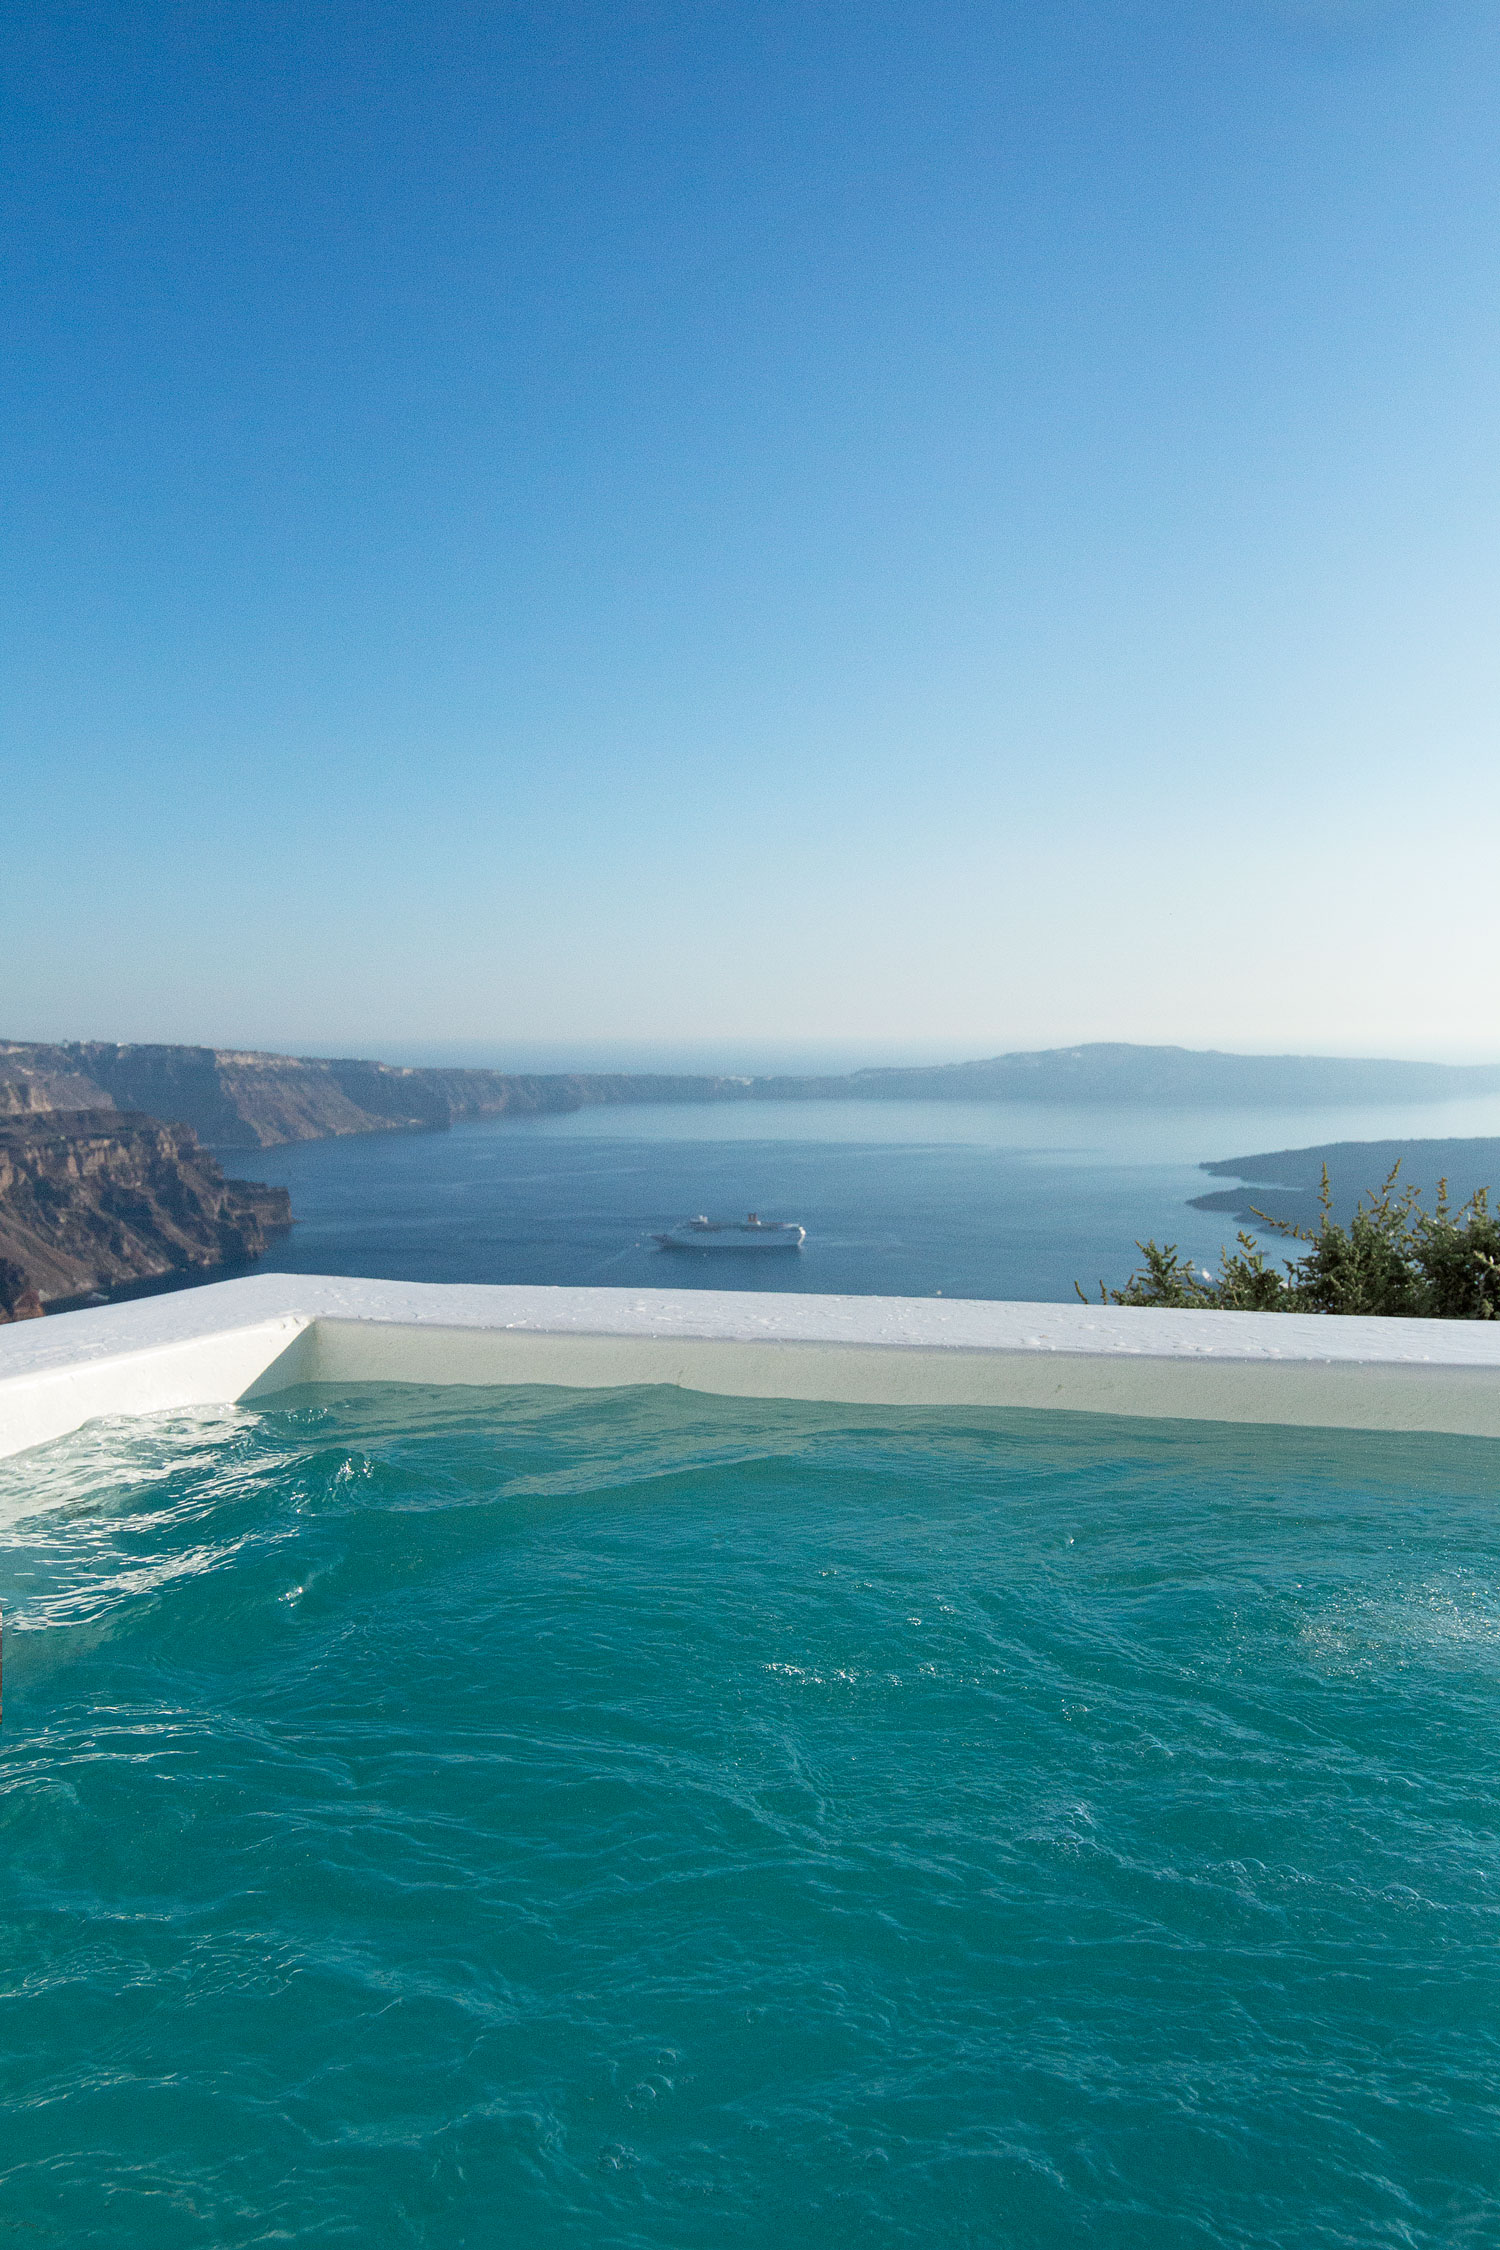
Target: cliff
[90,1199]
[234,1098]
[35,1079]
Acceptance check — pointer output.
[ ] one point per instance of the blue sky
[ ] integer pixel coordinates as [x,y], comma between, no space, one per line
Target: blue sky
[933,527]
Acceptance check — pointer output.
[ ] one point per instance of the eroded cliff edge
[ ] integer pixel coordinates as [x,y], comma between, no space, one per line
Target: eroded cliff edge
[91,1199]
[234,1098]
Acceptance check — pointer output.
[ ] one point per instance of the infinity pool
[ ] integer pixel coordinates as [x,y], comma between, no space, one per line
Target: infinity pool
[637,1819]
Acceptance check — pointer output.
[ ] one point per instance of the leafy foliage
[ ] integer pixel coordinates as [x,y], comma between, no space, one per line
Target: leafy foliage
[1394,1257]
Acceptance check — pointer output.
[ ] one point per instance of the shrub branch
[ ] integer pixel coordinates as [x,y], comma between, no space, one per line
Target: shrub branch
[1394,1257]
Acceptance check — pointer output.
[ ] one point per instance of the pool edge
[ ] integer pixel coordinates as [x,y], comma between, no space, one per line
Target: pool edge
[264,1333]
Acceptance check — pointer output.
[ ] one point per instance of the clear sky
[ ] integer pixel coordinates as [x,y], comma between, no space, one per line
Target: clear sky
[901,524]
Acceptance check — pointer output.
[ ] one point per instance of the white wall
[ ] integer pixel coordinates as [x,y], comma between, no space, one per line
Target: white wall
[253,1337]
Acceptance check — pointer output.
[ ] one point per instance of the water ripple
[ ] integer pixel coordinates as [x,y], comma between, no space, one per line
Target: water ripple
[627,1818]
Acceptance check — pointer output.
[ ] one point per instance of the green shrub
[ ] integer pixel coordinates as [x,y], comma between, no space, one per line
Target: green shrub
[1394,1257]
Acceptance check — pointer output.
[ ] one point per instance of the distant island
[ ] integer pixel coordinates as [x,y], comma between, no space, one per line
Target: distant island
[1417,1237]
[1284,1183]
[238,1099]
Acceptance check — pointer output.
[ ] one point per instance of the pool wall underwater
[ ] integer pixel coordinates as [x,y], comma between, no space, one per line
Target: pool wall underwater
[253,1337]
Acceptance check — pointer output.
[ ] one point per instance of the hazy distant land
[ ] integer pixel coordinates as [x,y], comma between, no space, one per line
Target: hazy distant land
[239,1099]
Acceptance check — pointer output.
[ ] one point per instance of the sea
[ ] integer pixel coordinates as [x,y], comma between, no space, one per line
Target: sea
[905,1198]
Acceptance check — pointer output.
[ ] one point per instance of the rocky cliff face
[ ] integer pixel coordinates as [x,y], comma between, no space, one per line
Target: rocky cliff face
[230,1099]
[93,1198]
[237,1099]
[35,1078]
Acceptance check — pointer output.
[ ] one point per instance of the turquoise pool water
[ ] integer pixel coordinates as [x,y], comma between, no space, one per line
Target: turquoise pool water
[626,1819]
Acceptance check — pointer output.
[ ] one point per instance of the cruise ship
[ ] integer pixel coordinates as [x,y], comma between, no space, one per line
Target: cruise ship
[750,1233]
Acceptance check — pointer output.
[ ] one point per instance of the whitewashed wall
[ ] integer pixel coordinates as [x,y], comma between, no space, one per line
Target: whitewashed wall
[251,1338]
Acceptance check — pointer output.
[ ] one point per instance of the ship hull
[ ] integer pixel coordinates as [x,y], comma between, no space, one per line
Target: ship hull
[756,1239]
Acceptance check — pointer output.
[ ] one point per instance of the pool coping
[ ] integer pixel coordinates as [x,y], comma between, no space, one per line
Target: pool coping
[252,1337]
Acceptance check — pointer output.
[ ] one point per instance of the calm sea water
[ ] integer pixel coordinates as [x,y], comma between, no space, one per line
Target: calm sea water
[900,1198]
[636,1820]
